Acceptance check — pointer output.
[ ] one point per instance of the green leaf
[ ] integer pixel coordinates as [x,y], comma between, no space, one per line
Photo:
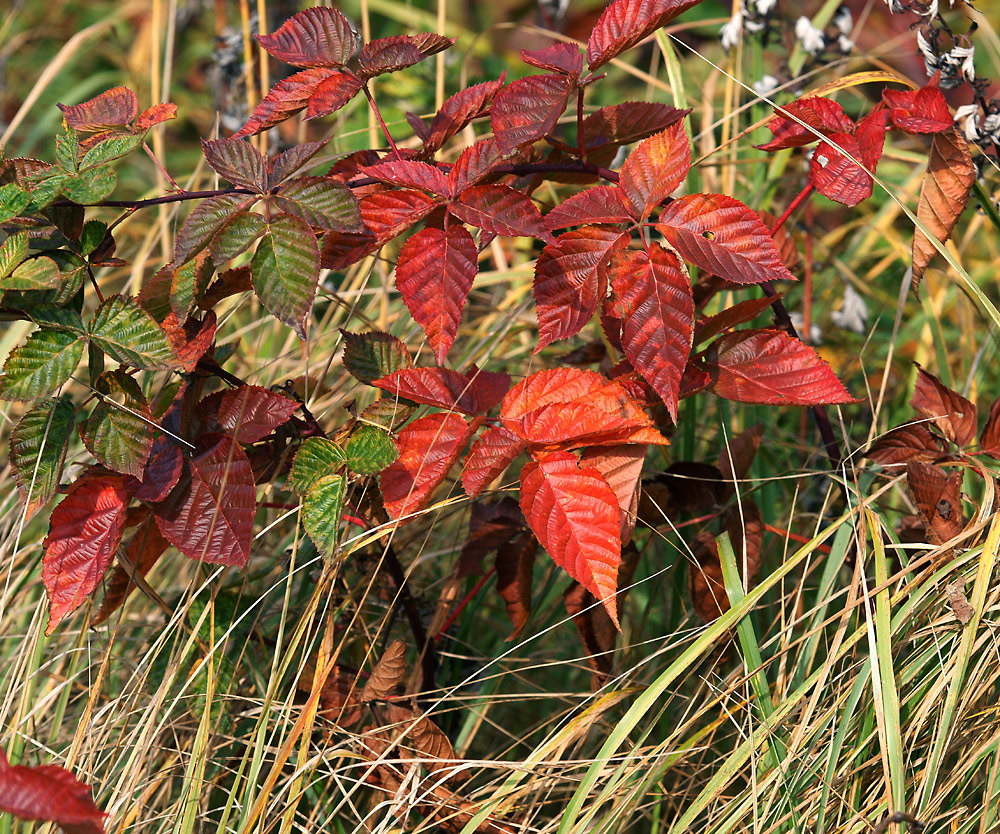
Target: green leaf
[44,190]
[39,366]
[128,334]
[38,447]
[119,431]
[371,356]
[316,458]
[114,148]
[92,186]
[39,273]
[321,510]
[72,268]
[205,220]
[285,271]
[237,235]
[321,202]
[13,201]
[370,450]
[188,283]
[51,317]
[92,235]
[68,150]
[12,252]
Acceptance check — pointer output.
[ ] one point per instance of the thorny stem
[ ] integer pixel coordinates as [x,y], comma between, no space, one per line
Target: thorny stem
[378,115]
[579,125]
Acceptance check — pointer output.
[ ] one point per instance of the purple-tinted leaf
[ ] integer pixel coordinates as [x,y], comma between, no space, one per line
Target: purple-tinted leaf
[317,37]
[528,109]
[237,161]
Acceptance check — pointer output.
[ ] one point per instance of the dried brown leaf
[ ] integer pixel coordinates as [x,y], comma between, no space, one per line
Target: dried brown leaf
[959,603]
[387,674]
[913,441]
[424,740]
[735,460]
[952,413]
[938,495]
[989,440]
[514,563]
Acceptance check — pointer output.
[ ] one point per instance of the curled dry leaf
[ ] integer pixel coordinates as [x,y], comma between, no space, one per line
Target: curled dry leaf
[989,440]
[955,592]
[736,458]
[938,495]
[387,674]
[950,412]
[913,441]
[422,737]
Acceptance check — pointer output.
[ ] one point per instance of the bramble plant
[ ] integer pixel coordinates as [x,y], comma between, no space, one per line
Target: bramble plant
[629,252]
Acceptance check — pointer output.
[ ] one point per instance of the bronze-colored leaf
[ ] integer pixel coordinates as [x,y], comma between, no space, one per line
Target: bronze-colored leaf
[944,194]
[913,441]
[955,592]
[938,495]
[989,440]
[514,563]
[952,413]
[735,460]
[424,739]
[387,674]
[339,702]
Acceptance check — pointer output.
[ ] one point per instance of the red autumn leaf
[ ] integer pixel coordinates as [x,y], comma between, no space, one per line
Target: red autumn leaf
[722,236]
[237,161]
[410,173]
[475,392]
[564,58]
[434,274]
[871,137]
[317,37]
[250,413]
[430,43]
[621,467]
[954,416]
[695,380]
[191,341]
[500,210]
[157,114]
[569,281]
[626,22]
[771,368]
[655,169]
[290,162]
[161,473]
[475,163]
[284,99]
[493,451]
[388,55]
[84,533]
[914,441]
[515,561]
[825,117]
[116,107]
[574,514]
[838,176]
[332,93]
[209,514]
[938,495]
[918,111]
[428,448]
[654,291]
[143,551]
[944,194]
[989,440]
[739,313]
[528,109]
[460,109]
[630,121]
[49,793]
[601,204]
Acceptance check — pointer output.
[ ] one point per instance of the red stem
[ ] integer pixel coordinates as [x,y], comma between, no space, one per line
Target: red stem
[465,601]
[805,192]
[378,115]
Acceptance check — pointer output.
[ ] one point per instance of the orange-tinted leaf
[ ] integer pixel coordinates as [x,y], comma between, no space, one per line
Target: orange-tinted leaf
[475,163]
[143,551]
[500,210]
[428,448]
[332,93]
[626,22]
[918,111]
[434,274]
[250,413]
[460,109]
[515,561]
[493,451]
[739,313]
[601,204]
[475,392]
[317,37]
[157,114]
[631,121]
[989,440]
[410,173]
[953,414]
[192,340]
[208,516]
[654,292]
[825,117]
[913,441]
[569,281]
[528,109]
[49,793]
[938,495]
[655,169]
[771,368]
[574,514]
[237,161]
[944,194]
[284,99]
[113,108]
[837,176]
[387,674]
[84,533]
[621,467]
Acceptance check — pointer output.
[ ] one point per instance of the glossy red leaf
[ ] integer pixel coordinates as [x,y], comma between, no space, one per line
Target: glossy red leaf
[409,173]
[574,514]
[428,448]
[837,176]
[528,109]
[459,110]
[250,413]
[913,441]
[654,291]
[116,107]
[630,121]
[564,58]
[600,204]
[84,533]
[283,100]
[626,22]
[157,114]
[655,169]
[695,379]
[771,368]
[724,237]
[49,793]
[493,451]
[871,137]
[825,117]
[621,467]
[739,313]
[475,392]
[563,385]
[332,93]
[475,163]
[161,473]
[237,161]
[953,415]
[317,37]
[398,52]
[209,514]
[143,551]
[989,440]
[434,274]
[500,210]
[918,111]
[390,213]
[568,280]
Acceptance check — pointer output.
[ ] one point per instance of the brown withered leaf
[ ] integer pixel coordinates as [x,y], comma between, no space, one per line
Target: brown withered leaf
[387,674]
[735,460]
[424,740]
[338,700]
[914,441]
[938,495]
[143,551]
[515,561]
[621,467]
[952,413]
[944,194]
[912,530]
[989,440]
[708,588]
[492,523]
[694,487]
[959,603]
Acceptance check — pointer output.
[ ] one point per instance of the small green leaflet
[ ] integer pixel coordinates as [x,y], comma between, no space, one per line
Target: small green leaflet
[119,431]
[39,273]
[38,447]
[12,252]
[316,458]
[370,450]
[285,271]
[39,366]
[128,334]
[321,508]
